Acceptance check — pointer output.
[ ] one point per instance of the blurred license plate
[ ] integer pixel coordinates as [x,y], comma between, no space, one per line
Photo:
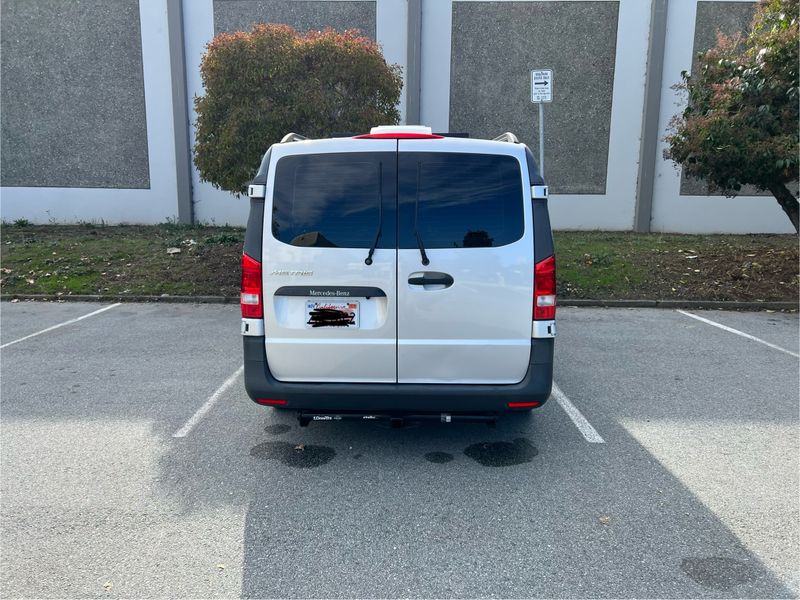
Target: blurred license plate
[331,314]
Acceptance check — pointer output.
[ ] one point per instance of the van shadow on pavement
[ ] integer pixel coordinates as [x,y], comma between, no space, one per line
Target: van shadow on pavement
[368,513]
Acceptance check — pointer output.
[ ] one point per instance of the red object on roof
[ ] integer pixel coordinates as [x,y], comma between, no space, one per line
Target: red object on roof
[398,136]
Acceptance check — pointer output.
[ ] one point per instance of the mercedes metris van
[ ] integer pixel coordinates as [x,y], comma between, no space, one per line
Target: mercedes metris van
[398,273]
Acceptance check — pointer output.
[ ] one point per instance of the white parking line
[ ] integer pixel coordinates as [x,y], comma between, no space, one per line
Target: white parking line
[586,429]
[201,412]
[91,314]
[737,332]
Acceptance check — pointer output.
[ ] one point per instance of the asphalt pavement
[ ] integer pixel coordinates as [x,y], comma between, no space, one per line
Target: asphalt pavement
[692,493]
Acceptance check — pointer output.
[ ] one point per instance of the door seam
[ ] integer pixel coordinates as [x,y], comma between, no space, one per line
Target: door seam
[397,264]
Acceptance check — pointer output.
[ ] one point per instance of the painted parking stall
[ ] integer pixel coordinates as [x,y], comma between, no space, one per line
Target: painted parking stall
[248,503]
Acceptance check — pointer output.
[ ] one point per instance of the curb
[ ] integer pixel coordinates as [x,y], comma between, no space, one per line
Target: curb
[125,298]
[669,304]
[692,304]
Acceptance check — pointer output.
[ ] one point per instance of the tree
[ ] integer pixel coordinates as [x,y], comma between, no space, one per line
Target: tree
[740,126]
[262,84]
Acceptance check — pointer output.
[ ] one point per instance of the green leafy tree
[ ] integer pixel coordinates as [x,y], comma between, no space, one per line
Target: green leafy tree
[262,84]
[740,126]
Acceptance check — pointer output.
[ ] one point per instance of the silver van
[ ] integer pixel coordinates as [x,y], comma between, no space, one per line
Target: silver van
[398,273]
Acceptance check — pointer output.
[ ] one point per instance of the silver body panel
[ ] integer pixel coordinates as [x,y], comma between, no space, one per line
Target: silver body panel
[476,331]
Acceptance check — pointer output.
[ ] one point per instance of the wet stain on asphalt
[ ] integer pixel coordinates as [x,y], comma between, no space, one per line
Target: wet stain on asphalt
[439,458]
[297,456]
[502,454]
[277,429]
[718,572]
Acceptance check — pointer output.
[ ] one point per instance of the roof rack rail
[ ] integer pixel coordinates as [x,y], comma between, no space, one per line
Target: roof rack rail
[507,137]
[293,137]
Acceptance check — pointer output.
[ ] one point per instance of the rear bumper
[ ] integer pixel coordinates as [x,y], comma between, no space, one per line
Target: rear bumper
[399,397]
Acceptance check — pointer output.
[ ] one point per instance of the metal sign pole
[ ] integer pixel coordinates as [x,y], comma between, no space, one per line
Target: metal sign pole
[541,92]
[541,139]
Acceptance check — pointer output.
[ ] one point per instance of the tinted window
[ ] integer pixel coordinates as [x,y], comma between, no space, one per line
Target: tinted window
[333,200]
[458,200]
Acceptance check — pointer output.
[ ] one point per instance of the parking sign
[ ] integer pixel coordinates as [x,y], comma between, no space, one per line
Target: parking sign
[541,86]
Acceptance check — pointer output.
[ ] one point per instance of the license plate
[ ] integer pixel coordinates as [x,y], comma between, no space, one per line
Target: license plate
[331,314]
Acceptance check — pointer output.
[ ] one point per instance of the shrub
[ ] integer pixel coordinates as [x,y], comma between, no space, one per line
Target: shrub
[740,126]
[262,84]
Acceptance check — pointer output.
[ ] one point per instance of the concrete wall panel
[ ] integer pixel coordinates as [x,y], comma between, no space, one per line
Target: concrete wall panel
[153,204]
[240,15]
[494,47]
[72,101]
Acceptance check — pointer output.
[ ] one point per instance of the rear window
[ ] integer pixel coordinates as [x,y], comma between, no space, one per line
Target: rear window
[333,200]
[459,200]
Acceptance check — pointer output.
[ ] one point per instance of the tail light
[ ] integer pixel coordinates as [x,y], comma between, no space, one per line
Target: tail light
[271,402]
[251,297]
[544,290]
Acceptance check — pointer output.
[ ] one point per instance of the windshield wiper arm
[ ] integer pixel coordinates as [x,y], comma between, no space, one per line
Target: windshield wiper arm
[368,261]
[424,256]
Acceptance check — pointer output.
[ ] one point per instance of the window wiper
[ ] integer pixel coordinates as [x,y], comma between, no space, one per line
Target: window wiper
[425,260]
[368,261]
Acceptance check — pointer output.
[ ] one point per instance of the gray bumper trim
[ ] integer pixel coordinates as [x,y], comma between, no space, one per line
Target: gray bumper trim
[398,397]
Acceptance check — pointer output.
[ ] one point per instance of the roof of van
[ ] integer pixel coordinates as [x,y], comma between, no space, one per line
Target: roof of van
[420,137]
[407,132]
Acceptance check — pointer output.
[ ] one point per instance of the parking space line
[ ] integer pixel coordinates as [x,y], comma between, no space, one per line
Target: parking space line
[201,412]
[586,429]
[70,322]
[737,332]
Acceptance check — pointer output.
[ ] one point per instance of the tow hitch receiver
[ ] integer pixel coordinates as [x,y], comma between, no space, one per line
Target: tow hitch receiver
[396,420]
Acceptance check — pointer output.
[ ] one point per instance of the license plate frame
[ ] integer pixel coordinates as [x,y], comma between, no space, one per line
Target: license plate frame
[325,314]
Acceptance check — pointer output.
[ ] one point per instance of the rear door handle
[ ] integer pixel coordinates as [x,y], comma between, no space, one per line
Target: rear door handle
[430,278]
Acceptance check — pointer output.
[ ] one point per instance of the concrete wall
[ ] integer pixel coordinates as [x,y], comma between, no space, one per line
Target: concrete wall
[87,129]
[494,47]
[94,110]
[241,15]
[610,203]
[72,96]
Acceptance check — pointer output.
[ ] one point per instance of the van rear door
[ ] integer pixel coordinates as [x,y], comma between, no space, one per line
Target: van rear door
[466,316]
[328,316]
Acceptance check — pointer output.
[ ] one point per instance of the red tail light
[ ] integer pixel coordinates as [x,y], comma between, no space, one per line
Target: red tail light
[251,298]
[271,402]
[523,404]
[544,290]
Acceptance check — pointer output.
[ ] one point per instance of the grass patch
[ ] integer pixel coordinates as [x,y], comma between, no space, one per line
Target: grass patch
[604,265]
[99,259]
[94,258]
